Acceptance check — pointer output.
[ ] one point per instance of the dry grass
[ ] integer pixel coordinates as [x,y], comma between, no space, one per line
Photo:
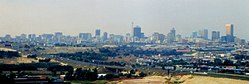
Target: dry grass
[55,50]
[17,60]
[184,79]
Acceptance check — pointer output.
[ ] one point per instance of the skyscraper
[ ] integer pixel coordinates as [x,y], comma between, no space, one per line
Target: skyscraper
[206,34]
[171,36]
[215,35]
[58,37]
[203,34]
[229,33]
[229,29]
[85,37]
[173,31]
[97,33]
[105,36]
[194,34]
[137,33]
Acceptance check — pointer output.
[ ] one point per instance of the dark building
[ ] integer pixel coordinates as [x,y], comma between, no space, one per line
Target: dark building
[137,33]
[97,33]
[215,35]
[105,36]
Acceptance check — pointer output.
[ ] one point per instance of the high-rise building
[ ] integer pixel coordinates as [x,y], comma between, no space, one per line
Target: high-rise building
[171,36]
[105,36]
[173,31]
[85,37]
[194,34]
[97,33]
[215,35]
[137,33]
[229,29]
[128,38]
[206,34]
[58,37]
[229,33]
[158,38]
[203,34]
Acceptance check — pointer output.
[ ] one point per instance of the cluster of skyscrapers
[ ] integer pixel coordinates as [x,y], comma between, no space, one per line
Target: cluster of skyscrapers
[136,36]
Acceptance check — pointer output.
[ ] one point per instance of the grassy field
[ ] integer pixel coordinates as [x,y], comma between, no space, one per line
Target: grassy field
[56,50]
[183,79]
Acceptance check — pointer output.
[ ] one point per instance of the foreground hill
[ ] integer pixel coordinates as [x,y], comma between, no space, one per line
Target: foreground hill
[186,79]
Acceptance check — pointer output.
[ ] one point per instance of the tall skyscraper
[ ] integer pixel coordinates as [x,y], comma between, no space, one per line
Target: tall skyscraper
[206,34]
[85,37]
[203,34]
[194,34]
[215,35]
[229,33]
[173,31]
[137,33]
[97,33]
[171,36]
[58,37]
[105,36]
[229,29]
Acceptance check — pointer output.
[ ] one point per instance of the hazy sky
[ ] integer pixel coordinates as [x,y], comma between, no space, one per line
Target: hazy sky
[115,16]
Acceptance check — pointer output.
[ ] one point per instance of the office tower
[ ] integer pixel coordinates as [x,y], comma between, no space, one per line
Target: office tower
[194,34]
[137,33]
[206,34]
[158,38]
[117,38]
[86,37]
[229,29]
[97,33]
[203,34]
[142,35]
[105,36]
[58,37]
[229,33]
[47,38]
[173,31]
[128,38]
[171,36]
[215,35]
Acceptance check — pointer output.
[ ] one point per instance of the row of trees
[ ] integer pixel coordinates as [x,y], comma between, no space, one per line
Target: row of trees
[9,54]
[26,66]
[82,74]
[92,74]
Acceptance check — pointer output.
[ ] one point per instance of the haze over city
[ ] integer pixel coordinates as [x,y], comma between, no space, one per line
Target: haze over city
[116,16]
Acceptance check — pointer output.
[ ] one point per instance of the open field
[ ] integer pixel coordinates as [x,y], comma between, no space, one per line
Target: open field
[213,80]
[56,50]
[185,79]
[17,60]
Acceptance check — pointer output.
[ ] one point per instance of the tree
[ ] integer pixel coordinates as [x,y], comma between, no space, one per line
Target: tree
[228,62]
[217,62]
[142,74]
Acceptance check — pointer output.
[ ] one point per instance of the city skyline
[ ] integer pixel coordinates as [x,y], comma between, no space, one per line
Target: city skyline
[137,33]
[72,18]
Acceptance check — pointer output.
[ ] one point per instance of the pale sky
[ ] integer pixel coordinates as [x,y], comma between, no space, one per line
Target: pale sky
[115,16]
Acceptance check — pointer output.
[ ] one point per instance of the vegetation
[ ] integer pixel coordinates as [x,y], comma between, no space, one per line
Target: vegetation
[9,54]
